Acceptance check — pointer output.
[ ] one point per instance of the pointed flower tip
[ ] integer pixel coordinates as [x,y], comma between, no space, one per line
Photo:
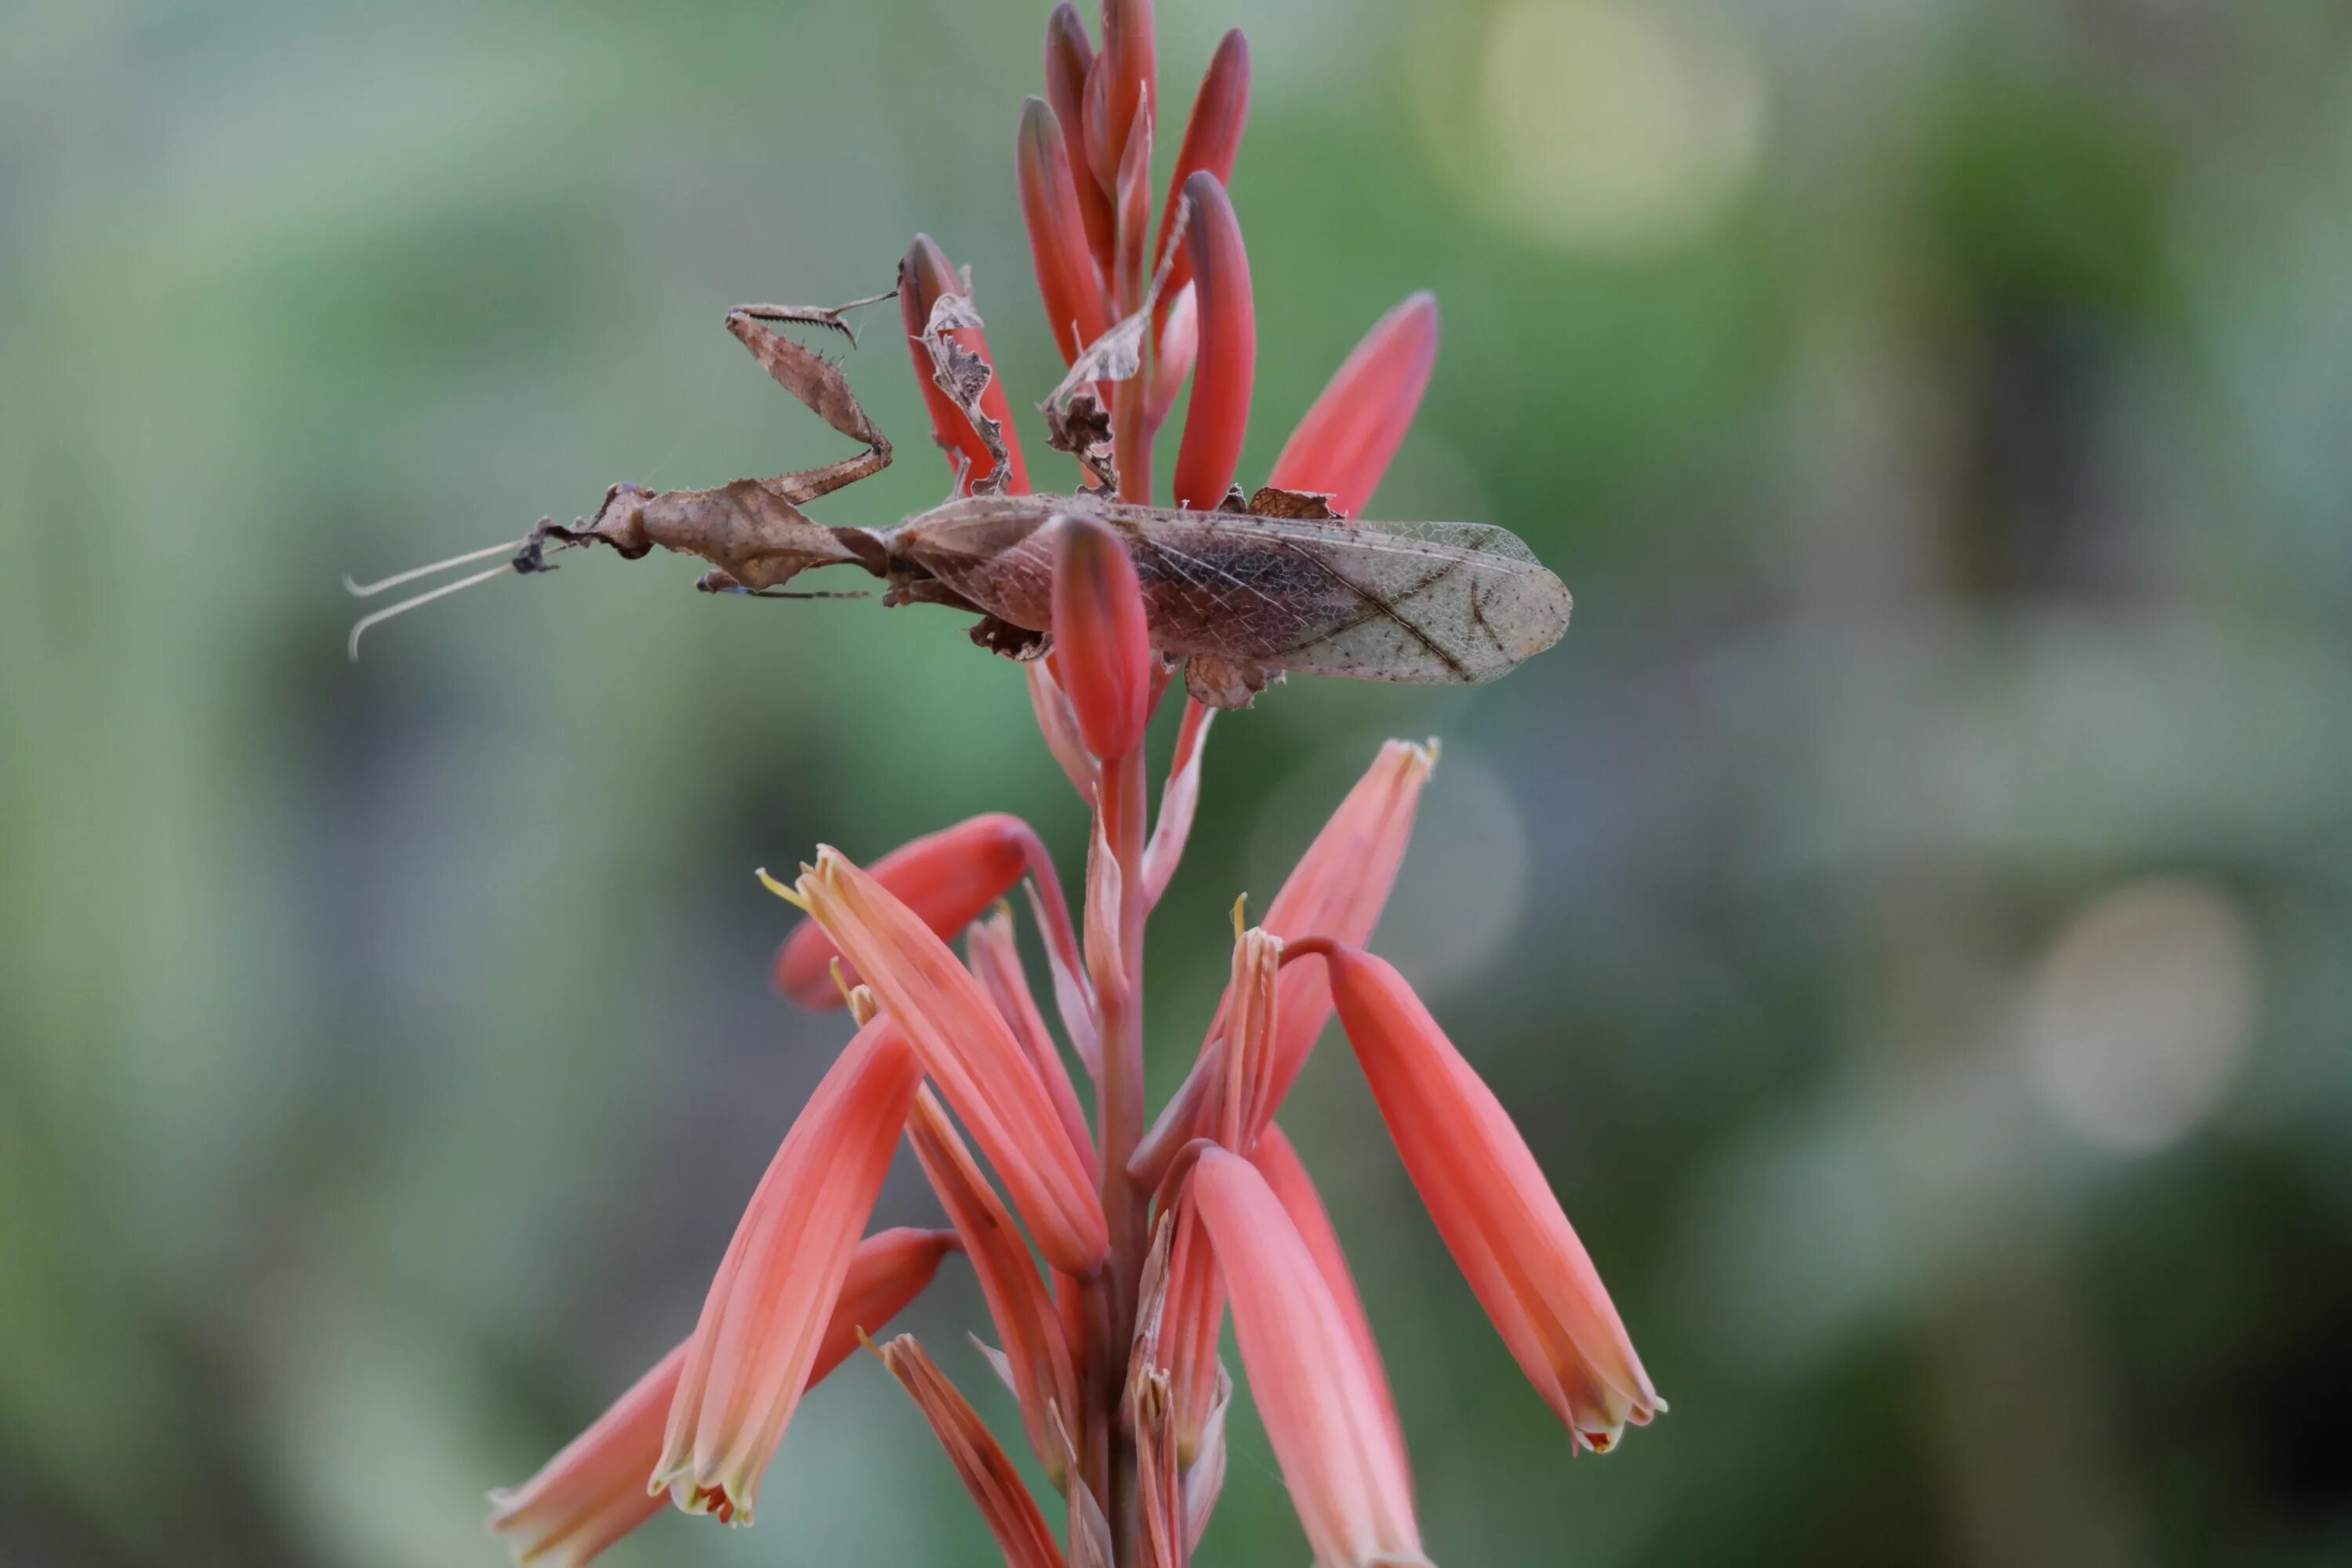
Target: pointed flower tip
[1492,1204]
[1102,643]
[1343,447]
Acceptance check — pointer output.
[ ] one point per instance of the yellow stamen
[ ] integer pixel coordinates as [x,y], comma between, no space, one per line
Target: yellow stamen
[1241,916]
[789,895]
[840,980]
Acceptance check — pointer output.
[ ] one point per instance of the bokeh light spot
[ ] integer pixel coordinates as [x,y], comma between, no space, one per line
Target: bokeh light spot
[2142,1011]
[1462,888]
[1598,125]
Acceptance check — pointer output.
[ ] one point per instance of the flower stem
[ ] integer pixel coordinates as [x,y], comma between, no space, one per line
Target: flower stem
[1119,1117]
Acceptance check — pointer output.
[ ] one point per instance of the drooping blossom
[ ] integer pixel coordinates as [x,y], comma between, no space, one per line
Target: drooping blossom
[1109,1256]
[763,1322]
[1492,1203]
[594,1492]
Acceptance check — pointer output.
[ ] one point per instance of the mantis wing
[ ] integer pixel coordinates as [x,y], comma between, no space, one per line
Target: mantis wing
[1425,603]
[1430,603]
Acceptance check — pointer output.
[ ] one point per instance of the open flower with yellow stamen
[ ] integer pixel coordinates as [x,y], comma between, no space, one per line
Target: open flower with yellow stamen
[1110,1257]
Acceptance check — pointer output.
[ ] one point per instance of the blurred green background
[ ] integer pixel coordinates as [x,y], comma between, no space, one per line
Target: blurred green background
[1911,914]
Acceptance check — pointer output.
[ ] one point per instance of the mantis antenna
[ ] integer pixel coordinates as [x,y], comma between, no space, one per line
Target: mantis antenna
[370,590]
[527,556]
[364,622]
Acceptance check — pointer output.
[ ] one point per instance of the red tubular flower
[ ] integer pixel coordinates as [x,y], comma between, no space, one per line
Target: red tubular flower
[1226,364]
[1212,139]
[1130,67]
[1013,1515]
[594,1492]
[1344,445]
[1067,279]
[763,1322]
[1102,644]
[1068,57]
[924,275]
[949,879]
[1287,1176]
[1321,1412]
[969,1052]
[1338,888]
[1492,1204]
[1035,1352]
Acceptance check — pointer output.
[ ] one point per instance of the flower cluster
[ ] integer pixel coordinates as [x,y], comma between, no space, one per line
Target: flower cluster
[1113,1252]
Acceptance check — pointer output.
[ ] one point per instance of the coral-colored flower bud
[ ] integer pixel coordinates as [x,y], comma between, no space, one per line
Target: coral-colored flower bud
[950,878]
[1069,55]
[1102,643]
[1344,445]
[1321,1412]
[594,1492]
[970,1053]
[924,274]
[1067,279]
[763,1322]
[1226,364]
[1131,66]
[1212,139]
[1492,1204]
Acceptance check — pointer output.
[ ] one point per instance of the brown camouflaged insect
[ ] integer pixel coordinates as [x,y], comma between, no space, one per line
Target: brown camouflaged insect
[1241,593]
